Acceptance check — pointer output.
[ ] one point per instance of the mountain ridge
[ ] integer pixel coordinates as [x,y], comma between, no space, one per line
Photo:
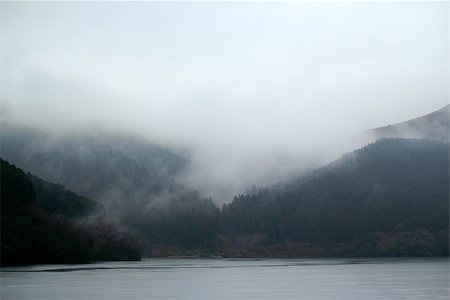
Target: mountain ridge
[434,125]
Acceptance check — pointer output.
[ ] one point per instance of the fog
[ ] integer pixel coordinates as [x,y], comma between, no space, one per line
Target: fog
[256,91]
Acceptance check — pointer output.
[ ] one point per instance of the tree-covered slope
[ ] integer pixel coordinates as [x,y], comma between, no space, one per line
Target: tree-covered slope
[55,199]
[388,198]
[134,180]
[40,224]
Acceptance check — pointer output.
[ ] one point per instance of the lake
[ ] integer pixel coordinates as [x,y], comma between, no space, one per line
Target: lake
[364,278]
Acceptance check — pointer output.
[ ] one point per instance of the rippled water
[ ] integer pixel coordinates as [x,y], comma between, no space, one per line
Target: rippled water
[232,279]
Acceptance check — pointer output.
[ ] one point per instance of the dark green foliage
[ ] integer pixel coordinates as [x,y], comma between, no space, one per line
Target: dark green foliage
[391,186]
[124,173]
[38,224]
[132,178]
[187,221]
[389,198]
[111,244]
[34,236]
[16,189]
[30,234]
[54,199]
[420,242]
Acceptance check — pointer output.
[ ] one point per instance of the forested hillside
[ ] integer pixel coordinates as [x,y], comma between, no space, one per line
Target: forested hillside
[40,223]
[133,179]
[388,198]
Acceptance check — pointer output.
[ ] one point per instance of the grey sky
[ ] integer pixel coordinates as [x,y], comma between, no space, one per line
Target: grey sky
[249,87]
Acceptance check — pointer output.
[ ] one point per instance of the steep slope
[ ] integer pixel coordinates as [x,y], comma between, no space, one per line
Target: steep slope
[40,224]
[55,199]
[388,198]
[434,125]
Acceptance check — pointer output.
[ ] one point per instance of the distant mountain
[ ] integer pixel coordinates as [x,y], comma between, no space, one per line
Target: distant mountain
[434,125]
[389,198]
[119,171]
[40,223]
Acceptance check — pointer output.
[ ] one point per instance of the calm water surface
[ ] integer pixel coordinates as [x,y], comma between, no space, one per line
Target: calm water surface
[232,279]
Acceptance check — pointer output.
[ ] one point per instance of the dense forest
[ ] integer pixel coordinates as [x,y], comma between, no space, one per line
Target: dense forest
[389,198]
[44,223]
[135,182]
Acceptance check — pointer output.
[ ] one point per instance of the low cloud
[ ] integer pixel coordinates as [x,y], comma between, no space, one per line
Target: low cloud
[256,92]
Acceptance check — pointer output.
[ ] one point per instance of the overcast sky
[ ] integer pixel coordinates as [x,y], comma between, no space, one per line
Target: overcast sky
[248,87]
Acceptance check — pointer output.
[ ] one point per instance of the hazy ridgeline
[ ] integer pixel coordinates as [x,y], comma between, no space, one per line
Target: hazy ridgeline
[389,198]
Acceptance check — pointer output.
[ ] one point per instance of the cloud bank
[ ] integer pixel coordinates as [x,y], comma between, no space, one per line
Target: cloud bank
[256,91]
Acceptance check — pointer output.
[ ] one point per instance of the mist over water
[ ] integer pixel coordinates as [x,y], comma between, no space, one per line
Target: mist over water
[254,93]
